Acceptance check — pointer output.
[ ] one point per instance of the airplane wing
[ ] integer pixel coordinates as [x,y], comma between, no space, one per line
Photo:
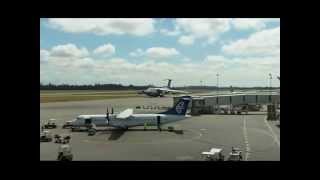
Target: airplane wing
[166,90]
[162,89]
[116,134]
[177,91]
[125,114]
[207,153]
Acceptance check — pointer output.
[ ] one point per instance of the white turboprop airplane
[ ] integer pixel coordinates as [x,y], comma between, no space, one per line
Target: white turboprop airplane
[161,91]
[127,119]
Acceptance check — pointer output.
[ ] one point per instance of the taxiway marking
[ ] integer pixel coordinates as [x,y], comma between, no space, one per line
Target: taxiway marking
[275,137]
[245,134]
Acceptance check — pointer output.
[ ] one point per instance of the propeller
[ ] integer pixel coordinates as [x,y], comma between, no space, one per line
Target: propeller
[107,116]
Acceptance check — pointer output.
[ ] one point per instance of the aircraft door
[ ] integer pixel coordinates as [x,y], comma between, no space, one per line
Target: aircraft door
[88,121]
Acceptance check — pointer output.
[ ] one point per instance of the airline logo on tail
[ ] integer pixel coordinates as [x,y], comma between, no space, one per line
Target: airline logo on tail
[169,83]
[180,108]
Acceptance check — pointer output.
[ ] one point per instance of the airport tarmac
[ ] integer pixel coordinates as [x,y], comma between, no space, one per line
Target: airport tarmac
[257,138]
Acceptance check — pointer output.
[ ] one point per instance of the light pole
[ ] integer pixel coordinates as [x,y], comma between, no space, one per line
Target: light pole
[270,78]
[218,91]
[272,110]
[218,83]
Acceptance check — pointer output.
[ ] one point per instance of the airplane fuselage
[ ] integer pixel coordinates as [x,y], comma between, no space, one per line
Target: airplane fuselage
[133,120]
[161,91]
[155,92]
[127,119]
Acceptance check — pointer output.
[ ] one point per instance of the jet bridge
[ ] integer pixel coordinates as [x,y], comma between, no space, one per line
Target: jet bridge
[208,103]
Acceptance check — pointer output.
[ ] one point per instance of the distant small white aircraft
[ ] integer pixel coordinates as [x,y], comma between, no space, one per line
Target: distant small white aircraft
[127,119]
[161,91]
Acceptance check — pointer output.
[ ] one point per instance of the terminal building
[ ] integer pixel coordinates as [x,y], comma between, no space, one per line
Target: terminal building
[211,104]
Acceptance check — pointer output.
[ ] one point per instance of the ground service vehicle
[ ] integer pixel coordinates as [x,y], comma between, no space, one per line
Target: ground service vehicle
[65,138]
[45,136]
[235,155]
[68,124]
[214,154]
[50,124]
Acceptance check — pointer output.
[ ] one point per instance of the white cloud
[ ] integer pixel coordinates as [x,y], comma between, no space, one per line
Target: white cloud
[155,53]
[262,43]
[240,71]
[161,20]
[175,31]
[44,55]
[137,52]
[105,50]
[69,50]
[169,33]
[101,26]
[216,61]
[186,59]
[206,28]
[186,40]
[161,52]
[117,60]
[252,23]
[245,64]
[248,23]
[210,29]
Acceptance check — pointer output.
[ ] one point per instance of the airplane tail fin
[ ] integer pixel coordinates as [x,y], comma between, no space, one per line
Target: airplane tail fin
[181,107]
[169,83]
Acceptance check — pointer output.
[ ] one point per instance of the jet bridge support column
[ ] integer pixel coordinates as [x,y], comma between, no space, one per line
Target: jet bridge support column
[271,112]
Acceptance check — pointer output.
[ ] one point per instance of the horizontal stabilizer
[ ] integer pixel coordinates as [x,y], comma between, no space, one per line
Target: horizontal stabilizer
[125,114]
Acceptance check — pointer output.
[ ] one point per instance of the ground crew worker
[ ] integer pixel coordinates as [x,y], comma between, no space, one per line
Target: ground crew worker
[64,152]
[220,157]
[67,139]
[57,138]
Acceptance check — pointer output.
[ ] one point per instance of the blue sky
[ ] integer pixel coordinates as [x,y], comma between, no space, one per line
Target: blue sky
[146,51]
